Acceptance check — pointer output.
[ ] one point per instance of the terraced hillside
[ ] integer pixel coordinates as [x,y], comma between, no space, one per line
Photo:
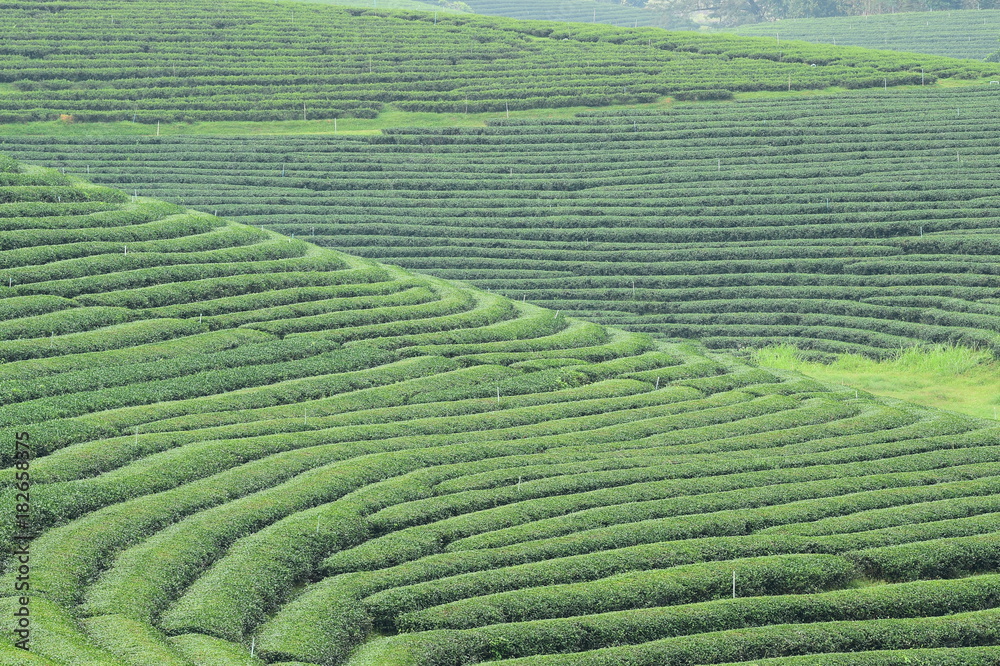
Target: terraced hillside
[582,11]
[971,34]
[609,12]
[255,60]
[233,441]
[863,222]
[406,5]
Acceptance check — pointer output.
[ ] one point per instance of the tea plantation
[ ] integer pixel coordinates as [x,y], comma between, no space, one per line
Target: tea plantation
[247,449]
[580,11]
[971,34]
[251,60]
[854,222]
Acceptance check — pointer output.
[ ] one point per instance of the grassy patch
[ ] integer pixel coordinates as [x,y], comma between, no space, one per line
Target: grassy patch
[386,120]
[955,378]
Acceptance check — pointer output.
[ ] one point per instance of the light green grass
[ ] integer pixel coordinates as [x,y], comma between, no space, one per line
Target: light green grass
[954,378]
[386,120]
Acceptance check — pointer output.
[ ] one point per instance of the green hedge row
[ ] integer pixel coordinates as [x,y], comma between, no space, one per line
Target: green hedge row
[153,393]
[588,632]
[201,289]
[776,574]
[962,629]
[140,370]
[116,336]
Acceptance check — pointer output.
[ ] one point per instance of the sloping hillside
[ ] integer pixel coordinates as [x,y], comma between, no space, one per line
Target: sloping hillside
[582,11]
[234,441]
[855,222]
[971,34]
[146,61]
